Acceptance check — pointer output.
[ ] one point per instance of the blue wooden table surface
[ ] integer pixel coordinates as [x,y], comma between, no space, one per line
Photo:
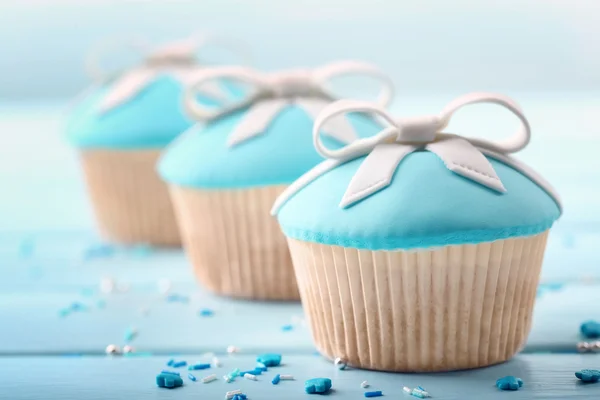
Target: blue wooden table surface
[51,260]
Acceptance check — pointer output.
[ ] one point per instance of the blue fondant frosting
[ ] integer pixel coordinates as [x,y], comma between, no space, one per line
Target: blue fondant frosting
[201,158]
[412,186]
[426,205]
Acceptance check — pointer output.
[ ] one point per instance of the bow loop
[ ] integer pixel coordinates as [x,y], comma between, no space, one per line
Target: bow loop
[294,83]
[385,151]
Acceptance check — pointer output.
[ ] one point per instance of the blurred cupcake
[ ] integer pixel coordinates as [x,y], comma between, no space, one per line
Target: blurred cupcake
[417,250]
[121,124]
[225,176]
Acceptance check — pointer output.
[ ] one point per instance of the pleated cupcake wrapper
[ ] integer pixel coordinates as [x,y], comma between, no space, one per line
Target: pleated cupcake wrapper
[235,246]
[449,308]
[131,203]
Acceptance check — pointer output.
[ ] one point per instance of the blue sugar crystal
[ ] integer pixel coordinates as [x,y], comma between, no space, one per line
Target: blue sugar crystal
[269,359]
[317,385]
[509,383]
[590,329]
[588,375]
[168,381]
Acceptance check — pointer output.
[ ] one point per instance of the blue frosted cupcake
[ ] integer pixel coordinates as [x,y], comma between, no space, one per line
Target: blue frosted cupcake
[120,126]
[417,250]
[224,176]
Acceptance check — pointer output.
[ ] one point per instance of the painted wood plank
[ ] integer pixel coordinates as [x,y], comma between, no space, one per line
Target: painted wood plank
[126,378]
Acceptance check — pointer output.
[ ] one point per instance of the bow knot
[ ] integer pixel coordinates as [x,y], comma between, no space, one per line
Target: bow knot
[421,129]
[270,93]
[384,152]
[294,83]
[174,54]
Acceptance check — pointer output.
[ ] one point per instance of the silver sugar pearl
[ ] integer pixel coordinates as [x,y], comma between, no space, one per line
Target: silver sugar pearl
[112,349]
[340,363]
[128,349]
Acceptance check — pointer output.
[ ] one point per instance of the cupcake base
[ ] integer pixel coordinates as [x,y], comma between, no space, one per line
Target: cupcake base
[235,247]
[131,203]
[450,308]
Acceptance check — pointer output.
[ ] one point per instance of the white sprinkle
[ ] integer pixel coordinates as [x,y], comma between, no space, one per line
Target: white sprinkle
[209,378]
[164,285]
[364,385]
[227,378]
[340,363]
[232,349]
[215,362]
[250,377]
[229,395]
[112,349]
[107,285]
[128,349]
[407,390]
[421,392]
[286,377]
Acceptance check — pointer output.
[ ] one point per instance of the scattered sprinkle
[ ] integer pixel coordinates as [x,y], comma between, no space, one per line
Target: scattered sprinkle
[215,362]
[239,396]
[377,393]
[179,364]
[287,328]
[416,392]
[77,306]
[276,379]
[192,378]
[590,329]
[261,366]
[407,390]
[130,334]
[340,363]
[232,349]
[286,377]
[255,371]
[230,394]
[588,375]
[165,371]
[269,359]
[235,372]
[364,384]
[168,381]
[509,383]
[205,312]
[177,298]
[112,349]
[227,378]
[127,349]
[317,385]
[170,362]
[209,378]
[198,367]
[250,376]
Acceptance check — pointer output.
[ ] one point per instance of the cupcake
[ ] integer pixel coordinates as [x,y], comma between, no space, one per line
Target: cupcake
[417,250]
[225,175]
[119,127]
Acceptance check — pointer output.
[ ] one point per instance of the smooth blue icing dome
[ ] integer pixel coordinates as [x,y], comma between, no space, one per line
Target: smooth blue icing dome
[202,159]
[150,119]
[426,205]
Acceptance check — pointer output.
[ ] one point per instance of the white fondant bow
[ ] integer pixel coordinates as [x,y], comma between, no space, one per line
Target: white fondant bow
[463,155]
[272,92]
[177,59]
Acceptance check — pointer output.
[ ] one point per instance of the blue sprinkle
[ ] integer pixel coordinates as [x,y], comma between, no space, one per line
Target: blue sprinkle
[255,371]
[192,377]
[377,393]
[205,312]
[317,385]
[269,359]
[168,381]
[420,388]
[198,366]
[287,328]
[276,379]
[239,396]
[509,383]
[164,371]
[171,362]
[130,334]
[179,364]
[588,375]
[77,306]
[172,298]
[590,329]
[261,366]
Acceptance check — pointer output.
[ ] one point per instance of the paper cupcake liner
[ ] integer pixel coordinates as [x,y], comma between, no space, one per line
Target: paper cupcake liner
[131,203]
[235,246]
[450,308]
